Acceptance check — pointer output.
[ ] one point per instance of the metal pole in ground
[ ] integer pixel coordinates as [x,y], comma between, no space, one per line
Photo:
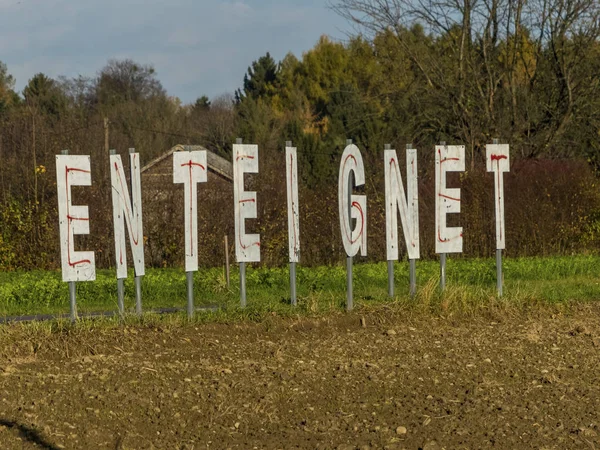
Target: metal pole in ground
[349,295]
[121,295]
[189,276]
[72,300]
[499,277]
[442,258]
[72,286]
[390,267]
[138,295]
[293,284]
[190,294]
[243,284]
[242,265]
[226,261]
[390,263]
[293,298]
[442,271]
[412,277]
[137,279]
[120,281]
[499,271]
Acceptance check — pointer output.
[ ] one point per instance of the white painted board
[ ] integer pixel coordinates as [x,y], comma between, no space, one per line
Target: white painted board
[127,211]
[498,161]
[354,239]
[448,158]
[396,200]
[189,168]
[73,170]
[245,160]
[291,171]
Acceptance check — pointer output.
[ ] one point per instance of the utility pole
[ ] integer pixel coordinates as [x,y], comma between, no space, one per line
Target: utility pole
[35,172]
[105,156]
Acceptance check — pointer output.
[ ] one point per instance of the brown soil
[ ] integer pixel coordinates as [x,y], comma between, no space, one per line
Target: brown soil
[401,381]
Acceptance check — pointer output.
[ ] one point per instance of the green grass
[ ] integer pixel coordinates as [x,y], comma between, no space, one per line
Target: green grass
[471,284]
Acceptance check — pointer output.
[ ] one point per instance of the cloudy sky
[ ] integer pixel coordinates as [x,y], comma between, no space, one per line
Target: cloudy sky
[197,46]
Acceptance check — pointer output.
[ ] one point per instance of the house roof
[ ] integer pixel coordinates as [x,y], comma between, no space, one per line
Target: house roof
[216,164]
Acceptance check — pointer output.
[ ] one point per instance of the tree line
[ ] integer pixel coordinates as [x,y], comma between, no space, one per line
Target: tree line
[415,72]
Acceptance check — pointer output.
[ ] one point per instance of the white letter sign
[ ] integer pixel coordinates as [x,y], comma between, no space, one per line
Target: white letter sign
[395,199]
[291,171]
[189,168]
[128,210]
[245,160]
[448,158]
[354,239]
[498,161]
[73,170]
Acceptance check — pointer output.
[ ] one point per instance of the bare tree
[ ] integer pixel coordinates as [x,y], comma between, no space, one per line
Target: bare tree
[492,51]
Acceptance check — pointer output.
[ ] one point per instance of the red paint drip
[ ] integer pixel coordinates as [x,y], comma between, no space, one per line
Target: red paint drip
[292,201]
[134,236]
[77,218]
[399,181]
[362,221]
[440,239]
[75,169]
[353,205]
[346,231]
[448,197]
[240,190]
[70,218]
[497,158]
[190,163]
[392,161]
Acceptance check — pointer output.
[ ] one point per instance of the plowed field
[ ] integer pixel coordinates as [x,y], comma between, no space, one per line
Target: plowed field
[378,379]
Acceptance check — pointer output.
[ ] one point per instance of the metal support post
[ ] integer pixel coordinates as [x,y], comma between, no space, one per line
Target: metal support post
[413,277]
[390,263]
[190,294]
[442,271]
[120,281]
[349,296]
[390,267]
[499,277]
[243,284]
[293,298]
[293,283]
[121,295]
[226,244]
[442,258]
[138,295]
[242,264]
[72,300]
[72,286]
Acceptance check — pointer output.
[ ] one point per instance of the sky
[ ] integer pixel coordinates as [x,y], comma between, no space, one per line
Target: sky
[198,47]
